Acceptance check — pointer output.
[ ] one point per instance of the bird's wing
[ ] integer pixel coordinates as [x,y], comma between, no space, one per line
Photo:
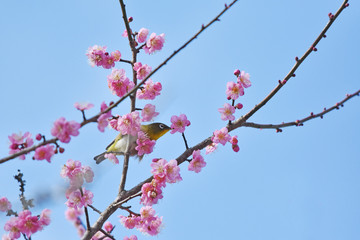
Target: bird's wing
[118,137]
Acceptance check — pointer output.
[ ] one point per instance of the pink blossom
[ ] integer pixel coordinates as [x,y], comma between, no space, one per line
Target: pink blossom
[141,70]
[149,91]
[28,224]
[151,226]
[103,121]
[5,237]
[239,106]
[108,61]
[13,227]
[154,43]
[44,219]
[112,157]
[211,148]
[108,226]
[129,124]
[179,123]
[132,237]
[244,79]
[5,205]
[172,172]
[78,200]
[158,169]
[19,142]
[144,144]
[96,55]
[63,129]
[72,214]
[227,112]
[197,163]
[151,193]
[221,136]
[234,140]
[118,83]
[116,55]
[76,173]
[83,106]
[142,35]
[148,113]
[129,222]
[146,213]
[44,152]
[234,90]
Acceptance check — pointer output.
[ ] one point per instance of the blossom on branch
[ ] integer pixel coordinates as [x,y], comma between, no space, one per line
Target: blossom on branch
[142,35]
[44,152]
[148,113]
[197,163]
[234,90]
[144,144]
[221,136]
[141,70]
[5,205]
[149,91]
[227,112]
[19,142]
[83,106]
[118,83]
[154,43]
[63,129]
[178,123]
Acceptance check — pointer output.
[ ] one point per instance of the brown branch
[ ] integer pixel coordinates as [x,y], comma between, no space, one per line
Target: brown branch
[312,48]
[301,121]
[95,209]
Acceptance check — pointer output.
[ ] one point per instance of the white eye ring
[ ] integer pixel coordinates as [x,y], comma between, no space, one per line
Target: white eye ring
[161,126]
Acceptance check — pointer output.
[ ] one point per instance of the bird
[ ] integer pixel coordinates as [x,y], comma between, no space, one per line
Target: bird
[119,145]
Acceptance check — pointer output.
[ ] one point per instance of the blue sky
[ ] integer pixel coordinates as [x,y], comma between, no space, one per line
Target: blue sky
[302,183]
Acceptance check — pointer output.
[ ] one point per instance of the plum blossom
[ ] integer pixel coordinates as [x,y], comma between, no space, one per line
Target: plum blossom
[76,173]
[144,144]
[234,143]
[211,148]
[141,70]
[227,112]
[72,214]
[244,79]
[142,35]
[5,205]
[221,136]
[154,43]
[128,124]
[130,222]
[149,91]
[108,226]
[95,55]
[179,123]
[197,163]
[103,121]
[44,152]
[19,142]
[112,157]
[63,129]
[164,171]
[118,83]
[234,90]
[76,199]
[148,113]
[83,106]
[151,193]
[132,237]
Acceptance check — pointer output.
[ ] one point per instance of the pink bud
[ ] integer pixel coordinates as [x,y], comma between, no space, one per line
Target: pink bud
[237,72]
[239,106]
[130,19]
[38,137]
[14,146]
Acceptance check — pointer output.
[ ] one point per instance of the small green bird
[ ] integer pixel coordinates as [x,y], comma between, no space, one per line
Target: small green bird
[119,146]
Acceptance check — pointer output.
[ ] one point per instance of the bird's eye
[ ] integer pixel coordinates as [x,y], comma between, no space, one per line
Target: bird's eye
[161,126]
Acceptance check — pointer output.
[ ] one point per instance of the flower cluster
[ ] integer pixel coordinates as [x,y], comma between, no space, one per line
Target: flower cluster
[222,136]
[44,152]
[102,120]
[178,123]
[144,144]
[79,198]
[127,124]
[76,173]
[19,142]
[149,91]
[118,83]
[98,56]
[63,129]
[141,70]
[197,163]
[163,172]
[154,43]
[148,113]
[26,224]
[146,222]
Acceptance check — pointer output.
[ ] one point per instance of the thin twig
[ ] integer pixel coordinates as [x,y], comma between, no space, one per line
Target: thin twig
[95,209]
[301,121]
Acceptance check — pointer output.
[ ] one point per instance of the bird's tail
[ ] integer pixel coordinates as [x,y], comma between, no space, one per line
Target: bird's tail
[99,158]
